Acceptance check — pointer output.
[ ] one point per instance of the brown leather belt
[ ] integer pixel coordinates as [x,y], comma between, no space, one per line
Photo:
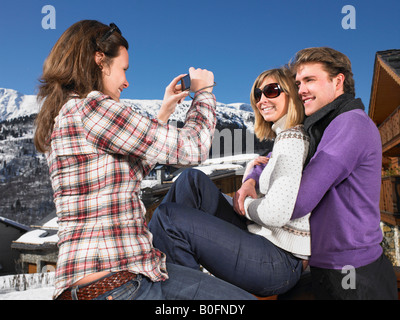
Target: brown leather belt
[95,289]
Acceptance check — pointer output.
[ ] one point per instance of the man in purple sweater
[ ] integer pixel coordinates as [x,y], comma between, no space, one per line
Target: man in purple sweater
[341,182]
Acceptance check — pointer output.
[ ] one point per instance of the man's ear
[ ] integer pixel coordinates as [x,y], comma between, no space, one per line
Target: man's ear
[99,58]
[340,82]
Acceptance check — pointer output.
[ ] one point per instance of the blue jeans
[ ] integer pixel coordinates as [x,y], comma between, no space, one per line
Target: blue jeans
[195,225]
[183,284]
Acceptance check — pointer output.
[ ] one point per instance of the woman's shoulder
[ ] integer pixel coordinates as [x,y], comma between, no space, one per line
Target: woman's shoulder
[70,106]
[296,132]
[75,103]
[98,102]
[74,98]
[97,95]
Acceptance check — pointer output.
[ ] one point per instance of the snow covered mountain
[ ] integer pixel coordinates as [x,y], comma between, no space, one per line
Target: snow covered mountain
[239,115]
[14,104]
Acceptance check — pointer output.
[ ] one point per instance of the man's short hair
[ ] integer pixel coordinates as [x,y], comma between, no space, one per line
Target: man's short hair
[333,61]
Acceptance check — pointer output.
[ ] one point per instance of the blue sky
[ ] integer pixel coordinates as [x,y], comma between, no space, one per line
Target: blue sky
[236,40]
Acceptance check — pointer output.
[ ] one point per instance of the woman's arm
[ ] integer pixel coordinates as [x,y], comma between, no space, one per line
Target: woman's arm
[249,185]
[279,182]
[114,128]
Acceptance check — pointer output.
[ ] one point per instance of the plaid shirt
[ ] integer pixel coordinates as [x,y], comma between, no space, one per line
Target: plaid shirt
[100,152]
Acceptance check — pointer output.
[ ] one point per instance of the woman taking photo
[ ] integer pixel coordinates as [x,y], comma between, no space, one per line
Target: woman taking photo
[98,151]
[255,247]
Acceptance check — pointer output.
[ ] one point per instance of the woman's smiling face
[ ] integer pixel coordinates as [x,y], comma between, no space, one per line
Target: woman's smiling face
[272,109]
[114,75]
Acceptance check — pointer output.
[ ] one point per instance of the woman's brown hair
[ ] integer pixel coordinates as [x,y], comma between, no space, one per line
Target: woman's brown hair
[70,68]
[295,114]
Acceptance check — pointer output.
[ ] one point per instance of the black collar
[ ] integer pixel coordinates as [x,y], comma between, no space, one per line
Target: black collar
[316,123]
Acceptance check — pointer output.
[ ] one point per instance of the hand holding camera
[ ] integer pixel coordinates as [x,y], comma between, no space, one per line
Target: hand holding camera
[201,79]
[198,79]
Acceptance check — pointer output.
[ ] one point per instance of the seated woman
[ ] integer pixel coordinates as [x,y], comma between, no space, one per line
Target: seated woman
[258,248]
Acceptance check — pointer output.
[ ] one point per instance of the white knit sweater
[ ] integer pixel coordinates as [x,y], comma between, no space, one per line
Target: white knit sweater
[279,184]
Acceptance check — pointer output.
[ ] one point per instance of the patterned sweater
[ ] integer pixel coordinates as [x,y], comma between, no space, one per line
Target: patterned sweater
[279,184]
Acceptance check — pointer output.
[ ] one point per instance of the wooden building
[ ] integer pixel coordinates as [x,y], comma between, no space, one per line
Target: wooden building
[384,110]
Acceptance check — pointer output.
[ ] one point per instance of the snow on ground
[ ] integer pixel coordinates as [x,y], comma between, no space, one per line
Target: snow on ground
[30,294]
[32,286]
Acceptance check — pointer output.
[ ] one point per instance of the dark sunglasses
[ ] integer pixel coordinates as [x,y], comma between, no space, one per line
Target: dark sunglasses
[113,28]
[271,90]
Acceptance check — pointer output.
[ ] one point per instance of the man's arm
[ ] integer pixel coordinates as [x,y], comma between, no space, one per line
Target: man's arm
[338,154]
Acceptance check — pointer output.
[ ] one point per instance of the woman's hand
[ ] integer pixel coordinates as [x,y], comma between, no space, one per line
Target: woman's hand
[248,189]
[173,95]
[201,78]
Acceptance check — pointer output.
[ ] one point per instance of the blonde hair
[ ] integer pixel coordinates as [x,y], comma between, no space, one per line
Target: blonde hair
[295,114]
[71,68]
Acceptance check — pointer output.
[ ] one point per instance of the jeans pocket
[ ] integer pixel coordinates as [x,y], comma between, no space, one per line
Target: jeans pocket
[127,291]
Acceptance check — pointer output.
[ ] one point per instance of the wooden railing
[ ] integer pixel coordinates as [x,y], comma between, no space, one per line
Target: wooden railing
[390,200]
[390,128]
[390,191]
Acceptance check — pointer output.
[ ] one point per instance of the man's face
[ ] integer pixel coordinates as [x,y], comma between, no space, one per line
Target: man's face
[316,88]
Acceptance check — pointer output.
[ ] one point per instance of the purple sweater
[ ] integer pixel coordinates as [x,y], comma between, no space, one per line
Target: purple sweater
[341,187]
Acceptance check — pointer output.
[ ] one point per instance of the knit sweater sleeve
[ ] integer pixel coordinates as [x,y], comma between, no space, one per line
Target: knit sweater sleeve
[280,180]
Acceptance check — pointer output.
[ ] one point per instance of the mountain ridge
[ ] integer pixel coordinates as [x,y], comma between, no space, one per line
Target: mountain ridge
[14,104]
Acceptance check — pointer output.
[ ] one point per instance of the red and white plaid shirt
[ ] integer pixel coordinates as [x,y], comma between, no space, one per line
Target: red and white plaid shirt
[100,152]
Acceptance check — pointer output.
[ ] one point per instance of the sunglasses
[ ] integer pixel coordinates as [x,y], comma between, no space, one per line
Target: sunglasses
[113,28]
[271,90]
